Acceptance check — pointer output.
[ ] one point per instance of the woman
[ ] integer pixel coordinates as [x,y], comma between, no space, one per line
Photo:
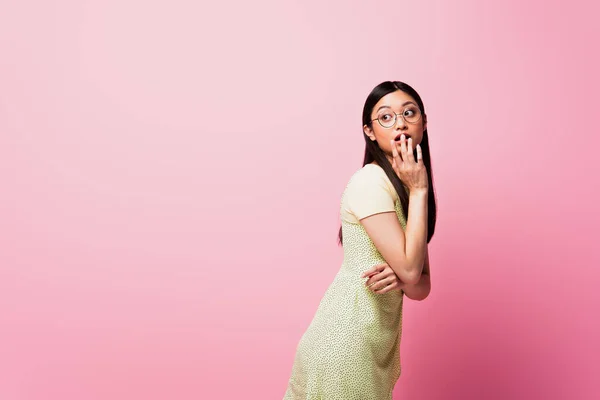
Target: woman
[350,351]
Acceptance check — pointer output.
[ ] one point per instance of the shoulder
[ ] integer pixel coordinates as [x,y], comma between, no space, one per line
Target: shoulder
[368,173]
[369,192]
[369,185]
[370,177]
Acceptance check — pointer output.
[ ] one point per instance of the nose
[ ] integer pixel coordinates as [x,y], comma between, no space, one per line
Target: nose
[400,123]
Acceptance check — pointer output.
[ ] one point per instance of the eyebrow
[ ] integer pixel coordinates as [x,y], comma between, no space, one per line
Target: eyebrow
[403,104]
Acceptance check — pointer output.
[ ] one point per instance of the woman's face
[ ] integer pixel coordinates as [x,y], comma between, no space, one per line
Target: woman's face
[401,104]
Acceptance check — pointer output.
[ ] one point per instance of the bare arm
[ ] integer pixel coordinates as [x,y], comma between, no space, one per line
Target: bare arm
[421,290]
[404,251]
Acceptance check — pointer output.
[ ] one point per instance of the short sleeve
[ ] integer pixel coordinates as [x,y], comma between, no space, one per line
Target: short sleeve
[369,192]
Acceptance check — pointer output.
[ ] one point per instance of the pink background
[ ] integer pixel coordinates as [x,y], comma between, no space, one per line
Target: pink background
[171,175]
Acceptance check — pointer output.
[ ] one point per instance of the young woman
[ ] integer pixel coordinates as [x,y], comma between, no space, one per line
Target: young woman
[350,351]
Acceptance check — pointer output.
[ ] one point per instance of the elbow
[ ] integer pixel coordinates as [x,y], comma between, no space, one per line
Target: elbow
[423,296]
[408,272]
[419,292]
[410,277]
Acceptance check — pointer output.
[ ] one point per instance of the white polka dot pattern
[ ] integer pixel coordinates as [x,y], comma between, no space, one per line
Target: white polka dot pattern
[350,350]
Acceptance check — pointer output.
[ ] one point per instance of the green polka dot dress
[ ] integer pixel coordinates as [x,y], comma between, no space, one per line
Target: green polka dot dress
[350,350]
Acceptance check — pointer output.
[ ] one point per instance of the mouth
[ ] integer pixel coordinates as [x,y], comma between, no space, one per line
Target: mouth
[397,138]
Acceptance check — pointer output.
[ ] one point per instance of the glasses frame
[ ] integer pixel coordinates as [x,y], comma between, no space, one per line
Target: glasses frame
[396,118]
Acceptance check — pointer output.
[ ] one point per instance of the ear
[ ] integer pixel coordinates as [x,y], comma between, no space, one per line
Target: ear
[369,132]
[424,121]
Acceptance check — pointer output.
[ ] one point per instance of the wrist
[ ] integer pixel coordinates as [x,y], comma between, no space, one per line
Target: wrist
[418,192]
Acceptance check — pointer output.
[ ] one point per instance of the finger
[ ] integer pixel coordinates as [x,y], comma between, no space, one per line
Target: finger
[371,281]
[386,272]
[399,147]
[368,272]
[380,284]
[370,285]
[374,270]
[403,147]
[419,153]
[409,151]
[370,278]
[388,288]
[374,279]
[395,153]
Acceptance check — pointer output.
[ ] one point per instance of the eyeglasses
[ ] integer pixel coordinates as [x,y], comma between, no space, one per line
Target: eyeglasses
[387,118]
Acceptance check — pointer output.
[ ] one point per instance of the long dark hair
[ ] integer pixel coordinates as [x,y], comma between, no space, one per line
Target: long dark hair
[374,153]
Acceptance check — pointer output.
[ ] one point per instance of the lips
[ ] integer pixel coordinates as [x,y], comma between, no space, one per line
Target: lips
[397,138]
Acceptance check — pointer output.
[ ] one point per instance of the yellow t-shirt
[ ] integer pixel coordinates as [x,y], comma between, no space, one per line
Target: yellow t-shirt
[369,192]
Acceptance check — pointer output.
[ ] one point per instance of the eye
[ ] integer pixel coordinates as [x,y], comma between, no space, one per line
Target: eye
[411,111]
[386,117]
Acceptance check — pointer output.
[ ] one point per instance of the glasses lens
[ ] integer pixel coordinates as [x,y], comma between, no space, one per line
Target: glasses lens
[387,119]
[412,114]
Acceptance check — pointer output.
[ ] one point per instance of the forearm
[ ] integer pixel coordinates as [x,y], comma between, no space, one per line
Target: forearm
[416,234]
[421,289]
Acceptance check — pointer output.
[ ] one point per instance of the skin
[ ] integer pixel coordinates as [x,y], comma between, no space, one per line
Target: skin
[395,101]
[405,251]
